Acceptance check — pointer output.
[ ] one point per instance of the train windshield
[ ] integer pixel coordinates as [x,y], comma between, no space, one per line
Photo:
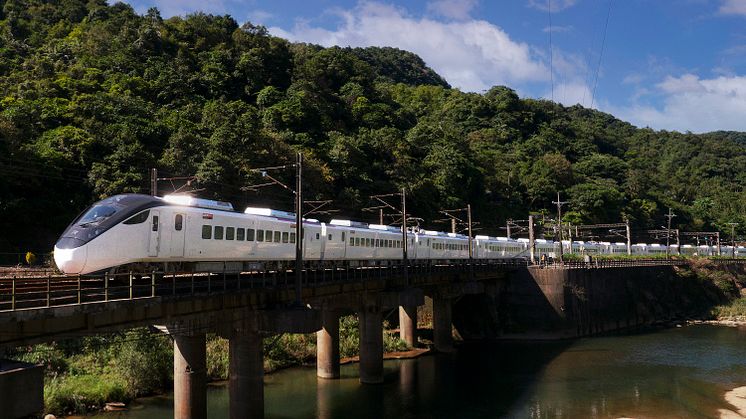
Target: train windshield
[97,214]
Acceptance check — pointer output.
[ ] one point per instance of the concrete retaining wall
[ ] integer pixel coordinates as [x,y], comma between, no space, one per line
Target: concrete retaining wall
[21,389]
[582,302]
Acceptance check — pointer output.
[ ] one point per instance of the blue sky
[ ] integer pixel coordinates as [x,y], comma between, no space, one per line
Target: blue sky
[676,65]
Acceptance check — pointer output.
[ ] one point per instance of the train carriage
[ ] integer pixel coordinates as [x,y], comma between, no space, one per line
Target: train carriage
[180,232]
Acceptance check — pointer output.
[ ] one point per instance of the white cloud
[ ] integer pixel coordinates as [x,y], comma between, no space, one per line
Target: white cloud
[557,5]
[733,7]
[259,16]
[690,103]
[472,55]
[453,9]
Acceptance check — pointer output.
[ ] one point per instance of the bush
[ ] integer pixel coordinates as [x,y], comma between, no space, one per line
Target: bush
[217,358]
[288,349]
[82,393]
[49,354]
[736,308]
[349,336]
[143,361]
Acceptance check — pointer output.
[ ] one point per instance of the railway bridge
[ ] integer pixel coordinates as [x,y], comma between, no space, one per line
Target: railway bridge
[242,307]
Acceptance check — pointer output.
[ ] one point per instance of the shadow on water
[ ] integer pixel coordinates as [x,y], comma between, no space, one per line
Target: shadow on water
[680,373]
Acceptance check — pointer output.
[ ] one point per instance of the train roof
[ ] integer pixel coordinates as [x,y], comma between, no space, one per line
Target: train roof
[268,212]
[190,201]
[384,228]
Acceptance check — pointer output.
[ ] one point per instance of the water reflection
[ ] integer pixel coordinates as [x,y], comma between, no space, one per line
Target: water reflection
[681,373]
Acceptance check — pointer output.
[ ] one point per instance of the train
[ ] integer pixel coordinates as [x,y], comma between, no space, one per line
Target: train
[135,232]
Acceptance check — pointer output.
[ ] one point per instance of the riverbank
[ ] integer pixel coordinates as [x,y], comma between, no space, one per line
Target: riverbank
[737,399]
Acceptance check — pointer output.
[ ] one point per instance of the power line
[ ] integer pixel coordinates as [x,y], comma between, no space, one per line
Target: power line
[551,49]
[601,54]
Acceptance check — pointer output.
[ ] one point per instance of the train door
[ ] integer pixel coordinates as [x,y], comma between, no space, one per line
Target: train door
[177,235]
[323,242]
[155,233]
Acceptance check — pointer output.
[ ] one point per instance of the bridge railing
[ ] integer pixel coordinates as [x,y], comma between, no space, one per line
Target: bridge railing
[39,292]
[612,263]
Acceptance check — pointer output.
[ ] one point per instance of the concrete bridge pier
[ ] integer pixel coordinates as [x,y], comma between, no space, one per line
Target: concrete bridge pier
[371,345]
[327,345]
[190,376]
[246,375]
[442,323]
[408,324]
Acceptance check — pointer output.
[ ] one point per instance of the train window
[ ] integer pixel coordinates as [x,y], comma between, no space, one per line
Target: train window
[260,235]
[155,223]
[206,231]
[139,218]
[240,234]
[317,236]
[292,237]
[285,237]
[218,235]
[178,222]
[268,236]
[352,241]
[230,233]
[277,236]
[343,236]
[249,234]
[357,241]
[377,243]
[330,237]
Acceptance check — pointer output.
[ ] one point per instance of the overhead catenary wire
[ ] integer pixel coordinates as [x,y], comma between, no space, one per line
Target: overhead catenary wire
[551,49]
[601,53]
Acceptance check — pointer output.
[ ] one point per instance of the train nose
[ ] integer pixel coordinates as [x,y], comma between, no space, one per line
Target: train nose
[71,261]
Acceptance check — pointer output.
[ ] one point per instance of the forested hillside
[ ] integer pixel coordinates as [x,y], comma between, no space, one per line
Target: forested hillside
[92,96]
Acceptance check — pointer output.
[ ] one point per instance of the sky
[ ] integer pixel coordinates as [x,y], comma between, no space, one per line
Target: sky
[665,64]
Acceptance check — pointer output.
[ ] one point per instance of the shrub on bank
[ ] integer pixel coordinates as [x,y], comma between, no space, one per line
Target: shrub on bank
[82,393]
[736,308]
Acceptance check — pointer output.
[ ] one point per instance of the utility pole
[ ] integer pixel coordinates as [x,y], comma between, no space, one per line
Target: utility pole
[629,236]
[669,216]
[468,216]
[717,237]
[569,237]
[507,227]
[733,238]
[154,182]
[453,225]
[298,192]
[531,239]
[380,216]
[559,223]
[404,227]
[298,230]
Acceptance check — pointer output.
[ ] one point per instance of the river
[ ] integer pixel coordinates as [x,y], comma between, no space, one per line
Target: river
[674,373]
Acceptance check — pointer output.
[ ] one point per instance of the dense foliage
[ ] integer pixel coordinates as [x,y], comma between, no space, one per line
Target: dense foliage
[93,95]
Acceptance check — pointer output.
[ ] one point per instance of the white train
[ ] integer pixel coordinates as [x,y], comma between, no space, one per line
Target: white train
[178,232]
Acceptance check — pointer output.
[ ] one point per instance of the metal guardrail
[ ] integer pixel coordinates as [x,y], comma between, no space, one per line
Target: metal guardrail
[613,263]
[31,293]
